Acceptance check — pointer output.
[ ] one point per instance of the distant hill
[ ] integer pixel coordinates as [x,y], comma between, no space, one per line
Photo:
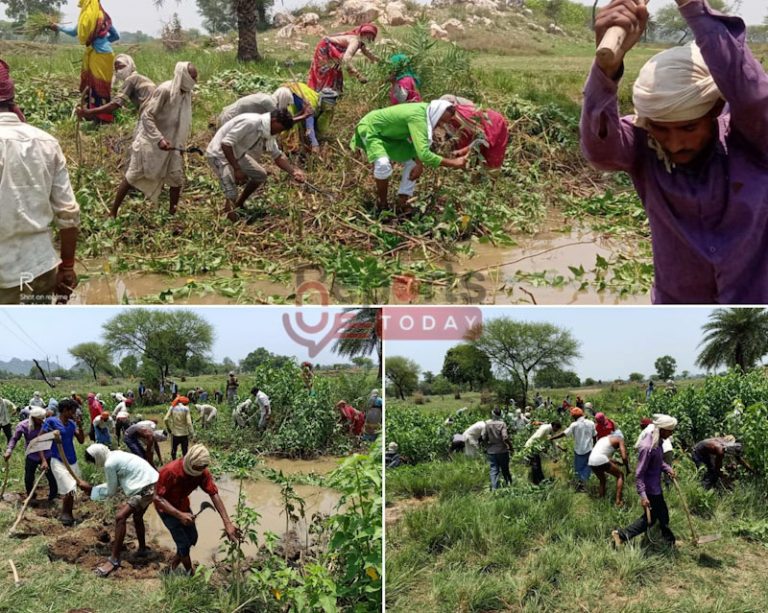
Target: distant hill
[22,367]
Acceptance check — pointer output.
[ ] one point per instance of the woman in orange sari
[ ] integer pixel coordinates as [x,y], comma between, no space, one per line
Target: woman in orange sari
[95,31]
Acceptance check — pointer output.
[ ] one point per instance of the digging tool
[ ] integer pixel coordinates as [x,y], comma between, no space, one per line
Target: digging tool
[205,505]
[648,525]
[196,150]
[322,192]
[26,503]
[611,43]
[60,447]
[702,540]
[5,480]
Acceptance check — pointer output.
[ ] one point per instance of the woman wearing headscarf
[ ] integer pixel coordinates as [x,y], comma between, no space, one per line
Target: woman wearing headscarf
[335,52]
[484,128]
[177,480]
[403,133]
[94,30]
[305,107]
[405,83]
[135,88]
[163,129]
[257,103]
[698,166]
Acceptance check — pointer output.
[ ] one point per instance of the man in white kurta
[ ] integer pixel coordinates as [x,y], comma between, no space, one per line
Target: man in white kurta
[164,128]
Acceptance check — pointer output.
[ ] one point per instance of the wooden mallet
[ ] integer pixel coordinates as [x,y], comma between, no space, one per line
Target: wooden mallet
[611,43]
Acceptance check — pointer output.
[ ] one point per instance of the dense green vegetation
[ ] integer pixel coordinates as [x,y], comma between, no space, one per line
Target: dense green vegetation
[452,545]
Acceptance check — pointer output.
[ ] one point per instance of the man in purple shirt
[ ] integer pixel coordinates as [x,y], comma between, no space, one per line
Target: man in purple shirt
[30,429]
[697,163]
[650,465]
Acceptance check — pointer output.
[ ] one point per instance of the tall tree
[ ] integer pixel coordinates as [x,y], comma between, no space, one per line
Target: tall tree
[94,355]
[404,375]
[218,15]
[665,366]
[247,16]
[361,335]
[465,364]
[519,349]
[670,24]
[129,366]
[736,338]
[19,10]
[161,339]
[261,356]
[554,377]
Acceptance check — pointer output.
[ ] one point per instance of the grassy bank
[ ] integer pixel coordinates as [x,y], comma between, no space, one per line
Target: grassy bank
[452,545]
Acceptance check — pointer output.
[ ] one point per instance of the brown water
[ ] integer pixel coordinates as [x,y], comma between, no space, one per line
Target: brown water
[492,283]
[543,252]
[261,495]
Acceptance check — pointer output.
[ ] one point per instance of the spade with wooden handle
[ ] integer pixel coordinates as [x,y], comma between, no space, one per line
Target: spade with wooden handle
[611,43]
[701,540]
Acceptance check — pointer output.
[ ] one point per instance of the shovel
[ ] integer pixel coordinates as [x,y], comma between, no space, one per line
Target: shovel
[205,505]
[702,540]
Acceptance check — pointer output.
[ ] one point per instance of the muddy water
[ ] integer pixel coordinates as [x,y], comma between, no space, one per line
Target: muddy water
[262,495]
[493,283]
[543,252]
[103,287]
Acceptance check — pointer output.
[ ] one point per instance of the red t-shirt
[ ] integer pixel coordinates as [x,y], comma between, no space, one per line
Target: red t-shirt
[606,428]
[175,485]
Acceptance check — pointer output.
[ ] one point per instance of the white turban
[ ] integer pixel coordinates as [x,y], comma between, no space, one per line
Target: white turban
[38,413]
[197,455]
[674,85]
[99,453]
[665,422]
[435,111]
[283,98]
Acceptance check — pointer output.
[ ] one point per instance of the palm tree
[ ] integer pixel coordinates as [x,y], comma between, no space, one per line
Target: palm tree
[247,12]
[360,335]
[734,338]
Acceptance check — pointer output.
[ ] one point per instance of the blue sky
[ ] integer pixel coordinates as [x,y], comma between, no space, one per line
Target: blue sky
[615,341]
[142,14]
[237,331]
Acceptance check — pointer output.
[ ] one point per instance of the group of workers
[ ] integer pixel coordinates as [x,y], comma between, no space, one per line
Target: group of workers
[595,445]
[34,172]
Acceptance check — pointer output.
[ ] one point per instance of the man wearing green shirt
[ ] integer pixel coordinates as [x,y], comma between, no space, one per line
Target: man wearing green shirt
[403,133]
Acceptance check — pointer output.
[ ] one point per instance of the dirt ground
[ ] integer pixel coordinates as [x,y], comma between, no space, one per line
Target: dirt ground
[89,542]
[395,512]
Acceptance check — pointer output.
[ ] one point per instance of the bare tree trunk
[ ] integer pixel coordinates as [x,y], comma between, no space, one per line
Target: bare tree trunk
[247,18]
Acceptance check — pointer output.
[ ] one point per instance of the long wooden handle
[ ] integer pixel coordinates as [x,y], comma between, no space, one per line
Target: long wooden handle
[687,512]
[611,43]
[5,480]
[26,502]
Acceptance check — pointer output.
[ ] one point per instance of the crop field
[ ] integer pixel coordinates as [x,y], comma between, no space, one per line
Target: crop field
[306,496]
[453,545]
[548,229]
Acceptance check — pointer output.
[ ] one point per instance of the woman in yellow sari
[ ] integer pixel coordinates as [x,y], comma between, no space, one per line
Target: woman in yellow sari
[95,31]
[307,109]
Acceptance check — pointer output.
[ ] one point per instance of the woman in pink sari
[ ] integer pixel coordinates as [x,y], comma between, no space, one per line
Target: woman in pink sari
[335,52]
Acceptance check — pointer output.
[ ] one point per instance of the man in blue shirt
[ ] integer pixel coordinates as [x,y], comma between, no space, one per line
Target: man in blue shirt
[69,429]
